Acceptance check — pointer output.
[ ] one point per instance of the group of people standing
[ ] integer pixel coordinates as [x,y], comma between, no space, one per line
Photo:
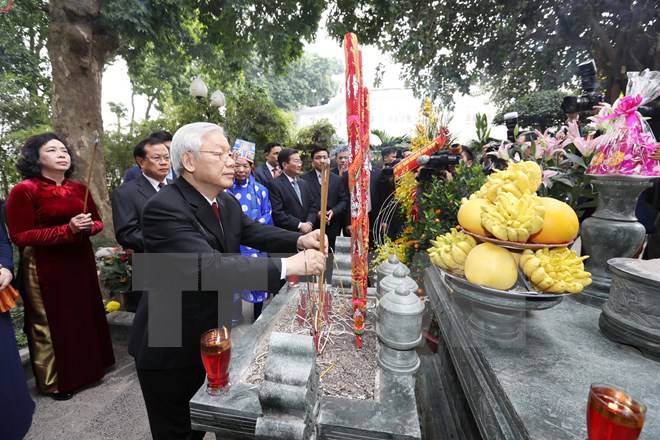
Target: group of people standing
[214,208]
[188,193]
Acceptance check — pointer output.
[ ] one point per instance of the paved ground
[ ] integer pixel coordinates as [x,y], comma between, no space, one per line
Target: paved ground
[112,409]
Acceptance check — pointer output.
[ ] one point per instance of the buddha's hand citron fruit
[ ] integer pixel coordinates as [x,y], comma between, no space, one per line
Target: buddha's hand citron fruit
[560,223]
[556,270]
[449,251]
[517,179]
[491,266]
[513,218]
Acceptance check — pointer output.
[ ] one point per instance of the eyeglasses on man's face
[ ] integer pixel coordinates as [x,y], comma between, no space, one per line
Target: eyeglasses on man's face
[222,156]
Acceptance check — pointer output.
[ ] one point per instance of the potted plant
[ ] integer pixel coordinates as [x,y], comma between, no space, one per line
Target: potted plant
[115,274]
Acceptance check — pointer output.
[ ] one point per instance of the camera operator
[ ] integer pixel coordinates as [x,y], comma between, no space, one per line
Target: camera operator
[466,156]
[389,156]
[590,100]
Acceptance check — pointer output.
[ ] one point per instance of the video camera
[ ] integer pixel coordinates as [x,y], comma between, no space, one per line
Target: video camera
[437,162]
[511,120]
[574,104]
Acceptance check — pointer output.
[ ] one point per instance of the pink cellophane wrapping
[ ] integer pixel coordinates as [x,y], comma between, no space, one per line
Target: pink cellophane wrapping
[628,143]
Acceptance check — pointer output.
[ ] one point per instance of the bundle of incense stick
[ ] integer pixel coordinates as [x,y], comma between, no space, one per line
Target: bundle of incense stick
[320,300]
[89,174]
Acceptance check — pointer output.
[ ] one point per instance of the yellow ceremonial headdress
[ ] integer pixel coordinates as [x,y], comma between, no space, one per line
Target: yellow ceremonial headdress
[244,149]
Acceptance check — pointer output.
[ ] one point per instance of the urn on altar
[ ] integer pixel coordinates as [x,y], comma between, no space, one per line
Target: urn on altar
[399,330]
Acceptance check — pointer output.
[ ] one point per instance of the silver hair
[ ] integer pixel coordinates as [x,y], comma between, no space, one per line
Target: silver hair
[189,138]
[339,149]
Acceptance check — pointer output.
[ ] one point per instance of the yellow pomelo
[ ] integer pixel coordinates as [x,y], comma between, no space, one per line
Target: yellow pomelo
[516,255]
[469,216]
[560,223]
[491,266]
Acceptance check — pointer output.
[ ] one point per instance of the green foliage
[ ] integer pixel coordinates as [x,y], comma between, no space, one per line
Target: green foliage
[115,271]
[10,151]
[516,47]
[118,150]
[250,114]
[319,134]
[483,130]
[253,116]
[388,140]
[536,110]
[306,82]
[17,319]
[438,209]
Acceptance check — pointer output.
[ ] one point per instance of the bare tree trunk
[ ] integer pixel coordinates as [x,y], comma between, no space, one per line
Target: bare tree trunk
[132,110]
[78,47]
[150,102]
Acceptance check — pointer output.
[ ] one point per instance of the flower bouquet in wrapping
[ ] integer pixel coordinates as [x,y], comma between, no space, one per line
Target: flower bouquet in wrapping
[628,146]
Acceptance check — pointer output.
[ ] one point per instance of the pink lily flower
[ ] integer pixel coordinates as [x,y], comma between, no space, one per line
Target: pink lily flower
[586,146]
[547,174]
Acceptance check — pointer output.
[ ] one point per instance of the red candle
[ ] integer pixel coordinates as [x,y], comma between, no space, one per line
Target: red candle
[215,347]
[612,414]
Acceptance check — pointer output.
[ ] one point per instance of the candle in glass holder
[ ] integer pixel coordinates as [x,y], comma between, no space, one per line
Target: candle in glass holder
[612,414]
[215,347]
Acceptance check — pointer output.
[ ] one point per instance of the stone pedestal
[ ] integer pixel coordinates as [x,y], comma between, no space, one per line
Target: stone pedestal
[342,273]
[631,314]
[539,389]
[611,232]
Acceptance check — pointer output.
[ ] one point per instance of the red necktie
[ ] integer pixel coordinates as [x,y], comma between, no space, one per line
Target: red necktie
[160,185]
[274,172]
[216,211]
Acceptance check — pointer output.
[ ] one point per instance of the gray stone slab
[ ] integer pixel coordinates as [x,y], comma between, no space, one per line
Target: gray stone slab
[388,418]
[393,415]
[538,388]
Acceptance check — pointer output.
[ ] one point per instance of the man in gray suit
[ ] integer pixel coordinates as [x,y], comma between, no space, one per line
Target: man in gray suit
[129,198]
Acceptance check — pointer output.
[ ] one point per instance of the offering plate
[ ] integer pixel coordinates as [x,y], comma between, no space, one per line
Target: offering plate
[498,315]
[516,244]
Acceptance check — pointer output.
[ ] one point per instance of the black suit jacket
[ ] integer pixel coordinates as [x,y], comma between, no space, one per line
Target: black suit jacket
[375,195]
[179,220]
[127,203]
[287,210]
[263,175]
[337,202]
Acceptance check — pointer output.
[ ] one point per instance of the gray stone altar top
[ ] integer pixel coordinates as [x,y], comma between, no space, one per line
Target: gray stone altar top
[538,387]
[245,411]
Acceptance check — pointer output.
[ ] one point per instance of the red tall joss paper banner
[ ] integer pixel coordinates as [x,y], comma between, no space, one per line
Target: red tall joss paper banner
[357,109]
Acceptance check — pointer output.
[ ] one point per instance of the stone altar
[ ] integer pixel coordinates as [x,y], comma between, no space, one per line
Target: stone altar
[537,388]
[238,414]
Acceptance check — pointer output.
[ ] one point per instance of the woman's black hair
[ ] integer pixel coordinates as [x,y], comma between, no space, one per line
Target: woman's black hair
[28,165]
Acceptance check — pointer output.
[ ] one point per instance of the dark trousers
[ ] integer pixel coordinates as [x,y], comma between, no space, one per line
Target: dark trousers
[167,394]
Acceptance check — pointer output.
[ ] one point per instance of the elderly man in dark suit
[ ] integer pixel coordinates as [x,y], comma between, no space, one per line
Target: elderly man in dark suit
[294,208]
[194,218]
[153,159]
[337,201]
[265,173]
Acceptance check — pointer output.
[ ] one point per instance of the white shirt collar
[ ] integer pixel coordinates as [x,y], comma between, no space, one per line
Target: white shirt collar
[154,182]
